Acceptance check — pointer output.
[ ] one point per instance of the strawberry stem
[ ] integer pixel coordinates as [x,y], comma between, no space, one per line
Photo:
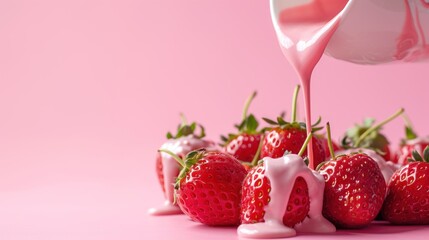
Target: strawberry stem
[247,105]
[258,152]
[377,126]
[294,103]
[407,120]
[183,118]
[173,155]
[330,146]
[304,146]
[409,130]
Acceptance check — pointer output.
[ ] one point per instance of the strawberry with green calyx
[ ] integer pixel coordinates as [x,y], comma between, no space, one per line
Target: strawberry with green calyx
[244,144]
[410,143]
[354,191]
[285,136]
[407,200]
[167,169]
[208,188]
[368,136]
[282,196]
[256,195]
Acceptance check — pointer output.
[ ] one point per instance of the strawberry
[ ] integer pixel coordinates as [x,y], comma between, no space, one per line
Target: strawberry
[407,200]
[208,188]
[369,136]
[168,169]
[256,195]
[410,143]
[407,147]
[354,190]
[289,136]
[244,144]
[276,198]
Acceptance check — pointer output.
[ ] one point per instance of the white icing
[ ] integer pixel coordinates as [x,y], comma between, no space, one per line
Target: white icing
[282,173]
[171,169]
[387,167]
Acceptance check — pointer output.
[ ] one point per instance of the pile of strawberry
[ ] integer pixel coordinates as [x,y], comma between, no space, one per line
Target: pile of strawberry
[228,186]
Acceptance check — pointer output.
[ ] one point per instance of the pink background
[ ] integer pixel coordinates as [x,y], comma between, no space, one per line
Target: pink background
[88,90]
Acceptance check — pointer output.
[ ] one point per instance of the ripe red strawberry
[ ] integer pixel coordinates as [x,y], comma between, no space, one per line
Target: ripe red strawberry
[290,136]
[354,190]
[369,136]
[244,144]
[407,200]
[182,143]
[410,143]
[208,188]
[256,195]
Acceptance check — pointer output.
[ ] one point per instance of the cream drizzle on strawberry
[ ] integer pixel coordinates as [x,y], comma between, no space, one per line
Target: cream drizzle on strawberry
[387,168]
[282,173]
[171,169]
[304,32]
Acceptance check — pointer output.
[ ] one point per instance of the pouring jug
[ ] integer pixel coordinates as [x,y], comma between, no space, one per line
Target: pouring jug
[366,31]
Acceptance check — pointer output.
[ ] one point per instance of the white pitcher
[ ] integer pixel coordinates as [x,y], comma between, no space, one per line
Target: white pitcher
[368,31]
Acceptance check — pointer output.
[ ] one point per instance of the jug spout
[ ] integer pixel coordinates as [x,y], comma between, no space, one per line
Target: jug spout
[305,27]
[363,31]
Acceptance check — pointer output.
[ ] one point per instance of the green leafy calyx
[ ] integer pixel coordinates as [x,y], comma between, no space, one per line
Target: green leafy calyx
[410,134]
[283,124]
[419,158]
[249,124]
[185,129]
[188,161]
[374,140]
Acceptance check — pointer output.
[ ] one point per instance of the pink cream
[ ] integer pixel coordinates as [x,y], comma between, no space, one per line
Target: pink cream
[307,30]
[282,173]
[170,169]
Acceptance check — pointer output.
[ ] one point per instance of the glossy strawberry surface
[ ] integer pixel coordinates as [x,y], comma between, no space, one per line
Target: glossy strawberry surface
[210,192]
[279,140]
[244,146]
[180,147]
[407,200]
[256,195]
[354,190]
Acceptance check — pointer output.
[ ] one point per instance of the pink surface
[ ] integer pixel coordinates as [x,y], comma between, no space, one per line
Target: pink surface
[88,90]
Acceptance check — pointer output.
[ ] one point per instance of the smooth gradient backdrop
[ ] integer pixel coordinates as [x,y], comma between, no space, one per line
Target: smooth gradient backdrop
[88,90]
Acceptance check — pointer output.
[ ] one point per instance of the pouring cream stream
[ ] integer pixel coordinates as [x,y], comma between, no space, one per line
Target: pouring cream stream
[350,30]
